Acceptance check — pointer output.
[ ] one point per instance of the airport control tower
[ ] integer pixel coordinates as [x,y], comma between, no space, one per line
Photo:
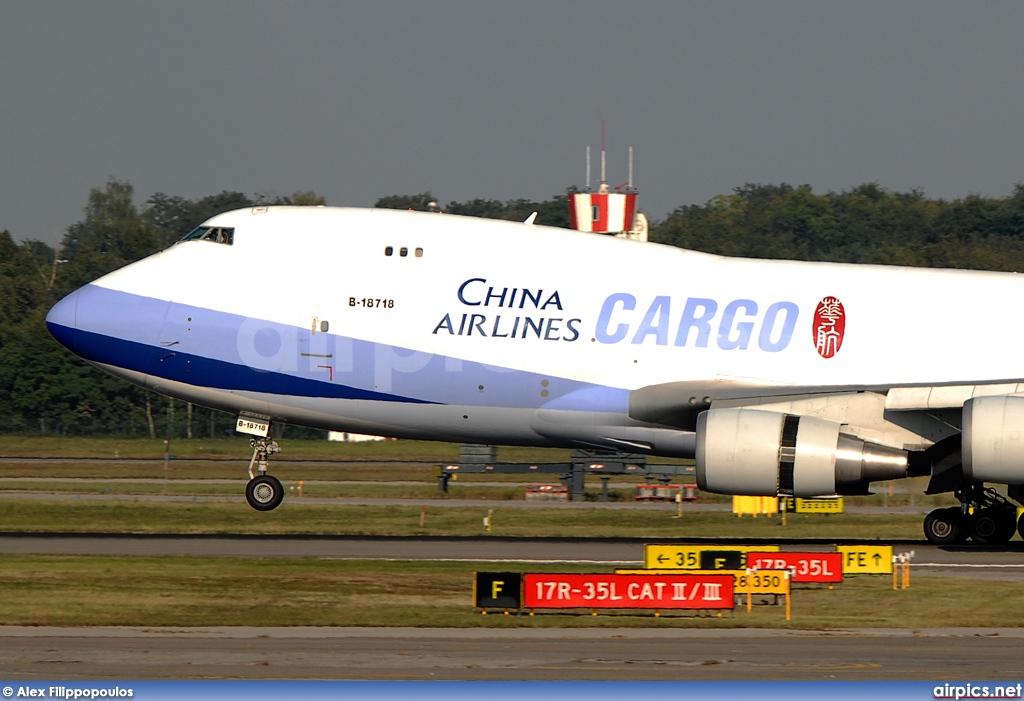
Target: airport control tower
[608,211]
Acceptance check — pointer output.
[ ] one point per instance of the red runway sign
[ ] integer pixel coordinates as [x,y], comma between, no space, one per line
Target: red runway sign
[805,567]
[620,591]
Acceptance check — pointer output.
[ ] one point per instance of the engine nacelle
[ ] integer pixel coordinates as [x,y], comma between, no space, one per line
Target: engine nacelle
[993,439]
[762,453]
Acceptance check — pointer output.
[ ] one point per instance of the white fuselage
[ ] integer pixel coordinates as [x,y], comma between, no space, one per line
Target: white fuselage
[502,332]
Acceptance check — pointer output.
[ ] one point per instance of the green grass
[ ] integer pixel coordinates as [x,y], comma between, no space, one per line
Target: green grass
[199,448]
[389,461]
[373,466]
[200,469]
[294,517]
[331,491]
[181,591]
[184,591]
[365,486]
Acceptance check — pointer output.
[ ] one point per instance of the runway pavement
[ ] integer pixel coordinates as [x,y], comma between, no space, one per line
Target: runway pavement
[28,653]
[1004,562]
[511,654]
[499,654]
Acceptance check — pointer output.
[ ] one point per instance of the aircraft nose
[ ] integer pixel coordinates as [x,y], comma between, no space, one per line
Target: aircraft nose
[62,321]
[109,326]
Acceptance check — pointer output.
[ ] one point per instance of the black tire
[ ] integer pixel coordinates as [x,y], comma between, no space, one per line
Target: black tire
[985,526]
[1007,524]
[264,493]
[993,525]
[943,526]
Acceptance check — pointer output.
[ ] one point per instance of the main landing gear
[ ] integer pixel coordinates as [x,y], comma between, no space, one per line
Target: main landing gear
[984,516]
[263,492]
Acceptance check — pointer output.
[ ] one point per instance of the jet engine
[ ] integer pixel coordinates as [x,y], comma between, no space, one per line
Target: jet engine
[993,439]
[761,453]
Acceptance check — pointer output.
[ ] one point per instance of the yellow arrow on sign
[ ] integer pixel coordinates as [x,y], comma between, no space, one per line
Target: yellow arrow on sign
[866,559]
[687,557]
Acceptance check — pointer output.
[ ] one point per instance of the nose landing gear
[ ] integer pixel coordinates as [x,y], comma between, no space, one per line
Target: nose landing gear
[263,492]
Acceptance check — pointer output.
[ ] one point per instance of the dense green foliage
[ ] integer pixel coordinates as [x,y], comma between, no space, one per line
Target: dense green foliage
[44,389]
[867,224]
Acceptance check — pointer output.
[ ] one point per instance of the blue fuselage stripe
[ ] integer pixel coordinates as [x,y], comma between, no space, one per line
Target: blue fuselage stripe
[224,351]
[208,372]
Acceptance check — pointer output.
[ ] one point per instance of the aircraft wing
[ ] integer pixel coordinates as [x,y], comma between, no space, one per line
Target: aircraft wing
[678,404]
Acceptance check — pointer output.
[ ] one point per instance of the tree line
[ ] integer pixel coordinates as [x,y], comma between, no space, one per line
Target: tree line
[44,389]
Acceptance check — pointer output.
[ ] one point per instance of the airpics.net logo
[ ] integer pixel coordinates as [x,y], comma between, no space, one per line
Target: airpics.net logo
[267,347]
[977,691]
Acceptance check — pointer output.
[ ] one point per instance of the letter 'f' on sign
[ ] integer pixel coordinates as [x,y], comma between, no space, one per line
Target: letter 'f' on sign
[496,587]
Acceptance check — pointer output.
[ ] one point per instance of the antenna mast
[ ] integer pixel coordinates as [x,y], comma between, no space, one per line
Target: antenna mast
[588,169]
[607,210]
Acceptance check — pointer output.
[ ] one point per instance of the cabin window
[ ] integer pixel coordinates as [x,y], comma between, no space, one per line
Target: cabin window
[403,252]
[216,234]
[324,326]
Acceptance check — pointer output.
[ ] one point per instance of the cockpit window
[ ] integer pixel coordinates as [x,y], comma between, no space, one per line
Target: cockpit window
[217,234]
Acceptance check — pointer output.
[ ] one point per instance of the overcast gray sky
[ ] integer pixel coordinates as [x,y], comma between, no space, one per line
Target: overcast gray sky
[357,100]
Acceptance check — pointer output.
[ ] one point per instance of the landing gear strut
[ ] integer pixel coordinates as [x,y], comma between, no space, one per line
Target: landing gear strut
[984,515]
[263,492]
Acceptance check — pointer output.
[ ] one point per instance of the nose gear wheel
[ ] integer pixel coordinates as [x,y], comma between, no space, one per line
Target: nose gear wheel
[263,492]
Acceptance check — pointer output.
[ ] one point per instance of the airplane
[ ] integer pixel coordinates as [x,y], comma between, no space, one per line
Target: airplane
[779,378]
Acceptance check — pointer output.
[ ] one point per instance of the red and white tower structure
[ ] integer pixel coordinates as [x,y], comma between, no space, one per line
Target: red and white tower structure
[608,211]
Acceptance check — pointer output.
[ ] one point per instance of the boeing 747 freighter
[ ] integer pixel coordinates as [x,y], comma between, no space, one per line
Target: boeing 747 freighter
[780,378]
